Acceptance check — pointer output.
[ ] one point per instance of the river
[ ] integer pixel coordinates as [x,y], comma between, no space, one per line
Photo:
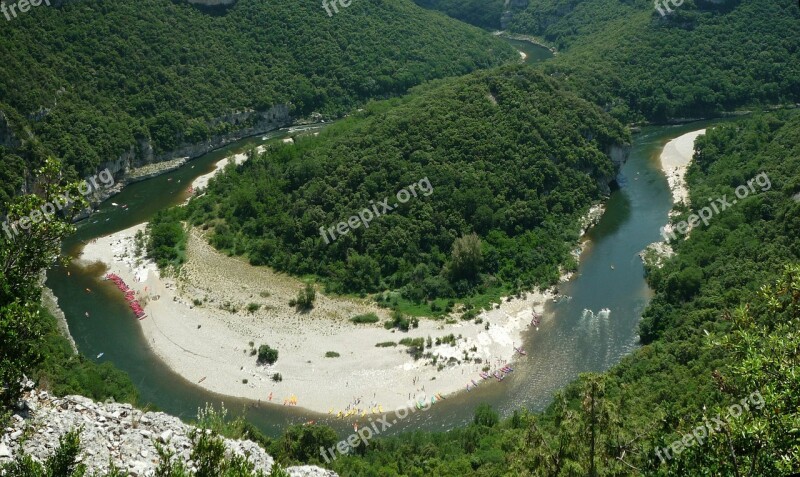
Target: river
[590,331]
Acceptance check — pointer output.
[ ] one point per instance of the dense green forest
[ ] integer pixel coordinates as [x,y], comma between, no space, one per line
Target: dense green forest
[482,13]
[89,79]
[504,164]
[703,58]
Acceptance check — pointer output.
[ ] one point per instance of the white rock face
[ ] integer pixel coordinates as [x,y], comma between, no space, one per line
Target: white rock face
[118,432]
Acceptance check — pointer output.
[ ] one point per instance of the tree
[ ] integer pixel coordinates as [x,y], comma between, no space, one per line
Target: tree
[35,246]
[485,416]
[267,355]
[466,257]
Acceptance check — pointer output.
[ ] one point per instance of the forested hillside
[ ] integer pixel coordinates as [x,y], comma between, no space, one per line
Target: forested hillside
[507,154]
[90,78]
[482,13]
[703,58]
[728,335]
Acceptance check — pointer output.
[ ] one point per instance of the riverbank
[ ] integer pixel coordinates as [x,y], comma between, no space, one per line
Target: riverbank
[530,39]
[675,159]
[200,326]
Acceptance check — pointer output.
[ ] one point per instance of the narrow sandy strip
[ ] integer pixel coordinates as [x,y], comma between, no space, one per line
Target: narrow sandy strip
[675,159]
[199,325]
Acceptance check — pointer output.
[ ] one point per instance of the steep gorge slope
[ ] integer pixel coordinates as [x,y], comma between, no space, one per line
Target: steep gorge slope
[96,80]
[705,57]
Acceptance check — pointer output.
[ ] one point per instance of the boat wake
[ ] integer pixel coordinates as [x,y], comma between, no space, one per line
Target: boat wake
[591,316]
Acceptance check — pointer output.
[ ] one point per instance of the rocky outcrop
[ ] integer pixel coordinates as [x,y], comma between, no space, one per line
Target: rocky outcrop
[656,255]
[242,123]
[118,433]
[7,136]
[50,302]
[508,11]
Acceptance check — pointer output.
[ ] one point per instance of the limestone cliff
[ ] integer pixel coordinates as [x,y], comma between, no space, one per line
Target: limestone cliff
[118,433]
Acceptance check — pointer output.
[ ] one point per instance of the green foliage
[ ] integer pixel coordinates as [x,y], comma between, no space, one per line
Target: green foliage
[386,344]
[365,318]
[63,463]
[267,355]
[483,161]
[301,444]
[166,242]
[467,258]
[305,298]
[332,354]
[485,416]
[482,13]
[95,94]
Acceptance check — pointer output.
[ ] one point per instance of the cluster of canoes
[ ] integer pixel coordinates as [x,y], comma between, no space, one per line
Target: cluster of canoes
[130,295]
[499,374]
[434,399]
[357,412]
[291,400]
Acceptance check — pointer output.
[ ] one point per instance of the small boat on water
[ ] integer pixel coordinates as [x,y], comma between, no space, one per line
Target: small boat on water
[499,376]
[485,375]
[520,351]
[100,355]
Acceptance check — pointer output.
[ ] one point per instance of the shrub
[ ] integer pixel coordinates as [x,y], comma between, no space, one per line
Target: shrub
[332,354]
[305,298]
[415,346]
[401,322]
[386,344]
[267,355]
[277,377]
[365,318]
[253,307]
